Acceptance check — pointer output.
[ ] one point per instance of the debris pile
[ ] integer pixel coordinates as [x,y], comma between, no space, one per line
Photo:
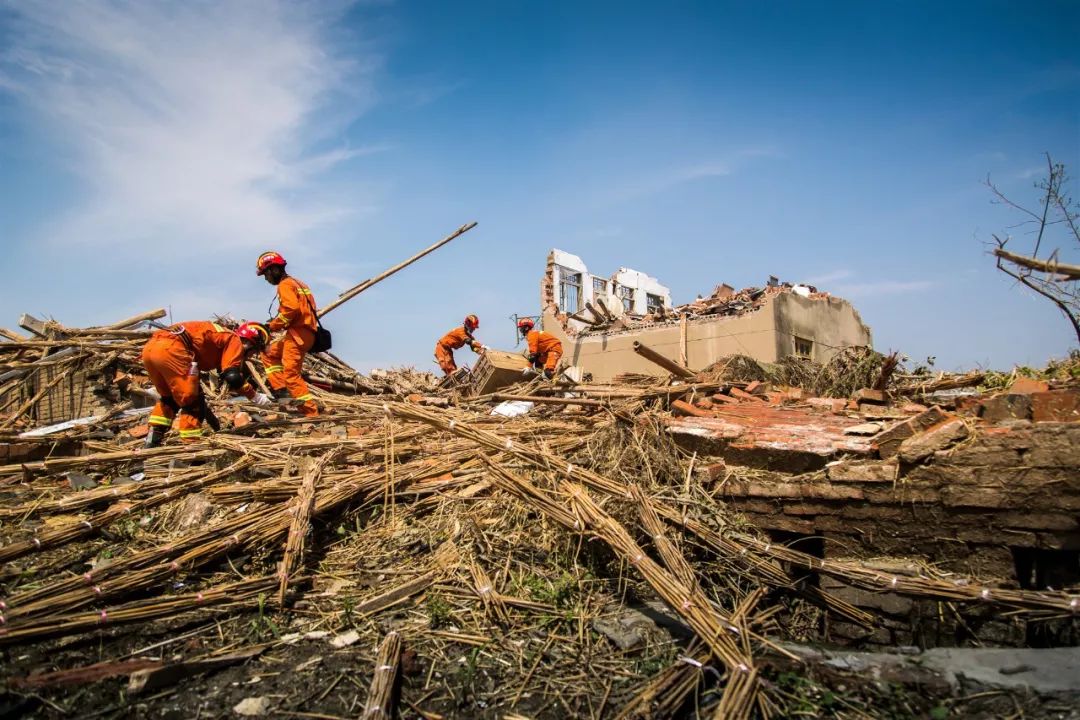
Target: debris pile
[650,547]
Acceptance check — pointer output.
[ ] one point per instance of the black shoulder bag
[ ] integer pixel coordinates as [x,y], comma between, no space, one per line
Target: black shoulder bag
[323,340]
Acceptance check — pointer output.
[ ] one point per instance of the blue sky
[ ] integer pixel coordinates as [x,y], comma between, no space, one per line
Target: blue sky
[150,151]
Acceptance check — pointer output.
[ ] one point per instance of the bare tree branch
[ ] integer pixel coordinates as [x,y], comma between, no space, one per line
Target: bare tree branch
[1051,267]
[1054,280]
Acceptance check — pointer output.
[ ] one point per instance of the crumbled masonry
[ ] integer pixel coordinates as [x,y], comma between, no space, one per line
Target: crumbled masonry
[747,540]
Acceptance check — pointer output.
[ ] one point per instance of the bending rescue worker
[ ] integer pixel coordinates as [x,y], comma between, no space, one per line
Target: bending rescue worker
[457,338]
[174,358]
[544,348]
[284,358]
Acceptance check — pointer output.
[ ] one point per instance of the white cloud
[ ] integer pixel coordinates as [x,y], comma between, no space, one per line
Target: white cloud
[190,119]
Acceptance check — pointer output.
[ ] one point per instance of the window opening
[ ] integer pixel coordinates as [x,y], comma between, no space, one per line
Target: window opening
[804,347]
[569,291]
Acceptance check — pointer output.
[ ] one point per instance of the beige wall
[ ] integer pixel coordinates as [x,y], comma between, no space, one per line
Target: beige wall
[765,334]
[831,323]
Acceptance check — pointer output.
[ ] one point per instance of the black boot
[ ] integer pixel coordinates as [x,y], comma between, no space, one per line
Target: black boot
[155,436]
[282,394]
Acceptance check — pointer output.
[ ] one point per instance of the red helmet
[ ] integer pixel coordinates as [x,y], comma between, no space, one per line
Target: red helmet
[253,332]
[525,324]
[266,260]
[471,322]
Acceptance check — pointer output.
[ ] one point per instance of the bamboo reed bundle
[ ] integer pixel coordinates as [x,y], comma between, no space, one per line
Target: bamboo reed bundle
[663,695]
[489,596]
[715,630]
[752,549]
[301,523]
[139,611]
[82,528]
[712,628]
[380,699]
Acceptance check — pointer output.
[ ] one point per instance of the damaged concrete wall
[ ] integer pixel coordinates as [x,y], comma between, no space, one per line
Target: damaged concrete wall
[777,324]
[609,354]
[828,324]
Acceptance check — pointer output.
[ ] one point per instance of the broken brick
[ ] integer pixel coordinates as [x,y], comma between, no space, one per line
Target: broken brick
[1006,407]
[241,419]
[834,405]
[139,431]
[754,387]
[743,395]
[721,398]
[887,442]
[716,471]
[1028,386]
[681,407]
[1055,406]
[868,395]
[855,471]
[938,437]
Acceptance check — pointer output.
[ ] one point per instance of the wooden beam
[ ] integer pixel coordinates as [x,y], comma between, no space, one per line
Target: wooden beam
[356,290]
[31,323]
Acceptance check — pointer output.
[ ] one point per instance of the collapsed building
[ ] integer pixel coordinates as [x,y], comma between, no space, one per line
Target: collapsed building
[599,319]
[747,539]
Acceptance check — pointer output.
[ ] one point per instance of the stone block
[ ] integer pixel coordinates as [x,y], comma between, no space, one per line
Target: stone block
[1006,407]
[938,437]
[1055,406]
[887,442]
[862,471]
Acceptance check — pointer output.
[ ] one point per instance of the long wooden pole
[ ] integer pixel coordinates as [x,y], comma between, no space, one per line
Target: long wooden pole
[670,365]
[353,292]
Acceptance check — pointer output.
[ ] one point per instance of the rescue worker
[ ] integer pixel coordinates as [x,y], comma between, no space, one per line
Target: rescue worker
[173,359]
[457,338]
[284,358]
[544,348]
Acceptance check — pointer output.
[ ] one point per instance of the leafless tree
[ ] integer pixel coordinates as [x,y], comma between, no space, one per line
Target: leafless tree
[1055,224]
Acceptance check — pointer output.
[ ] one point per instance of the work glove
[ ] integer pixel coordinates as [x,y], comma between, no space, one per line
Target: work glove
[548,374]
[527,371]
[261,399]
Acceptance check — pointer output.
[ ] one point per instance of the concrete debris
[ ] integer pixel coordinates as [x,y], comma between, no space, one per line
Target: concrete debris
[253,706]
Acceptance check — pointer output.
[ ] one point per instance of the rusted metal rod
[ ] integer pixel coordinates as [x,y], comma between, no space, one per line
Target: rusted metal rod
[670,365]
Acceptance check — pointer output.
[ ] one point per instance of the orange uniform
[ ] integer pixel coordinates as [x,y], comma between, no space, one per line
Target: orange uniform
[284,358]
[174,358]
[444,349]
[544,349]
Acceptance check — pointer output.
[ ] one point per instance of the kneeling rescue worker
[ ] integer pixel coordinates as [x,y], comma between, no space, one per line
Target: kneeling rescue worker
[284,358]
[174,358]
[457,338]
[544,348]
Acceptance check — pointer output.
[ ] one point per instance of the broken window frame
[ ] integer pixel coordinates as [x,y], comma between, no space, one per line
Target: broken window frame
[570,289]
[626,295]
[802,347]
[653,303]
[599,286]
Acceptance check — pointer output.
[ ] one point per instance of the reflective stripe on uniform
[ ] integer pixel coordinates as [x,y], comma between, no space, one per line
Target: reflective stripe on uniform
[160,420]
[271,369]
[309,396]
[218,328]
[305,291]
[191,433]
